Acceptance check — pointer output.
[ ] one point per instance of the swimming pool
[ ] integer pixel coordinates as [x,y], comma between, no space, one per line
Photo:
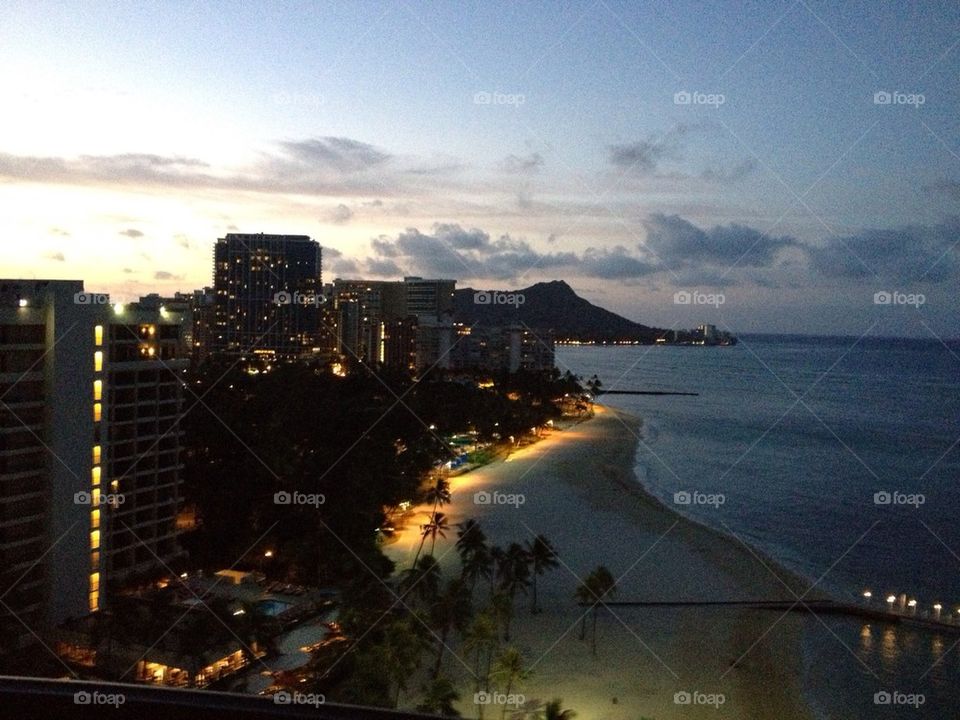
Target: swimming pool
[272,607]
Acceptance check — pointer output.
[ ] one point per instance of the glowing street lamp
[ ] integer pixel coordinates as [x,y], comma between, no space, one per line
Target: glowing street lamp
[936,610]
[268,554]
[867,595]
[891,599]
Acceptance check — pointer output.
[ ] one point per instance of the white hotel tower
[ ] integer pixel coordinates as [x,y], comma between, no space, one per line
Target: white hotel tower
[91,397]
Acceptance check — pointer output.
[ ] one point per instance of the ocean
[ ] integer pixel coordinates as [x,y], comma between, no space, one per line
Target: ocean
[839,459]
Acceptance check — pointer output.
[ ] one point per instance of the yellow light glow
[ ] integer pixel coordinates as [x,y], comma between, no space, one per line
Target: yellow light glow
[97,412]
[98,390]
[94,601]
[95,560]
[95,477]
[95,497]
[94,582]
[95,519]
[98,361]
[98,336]
[97,452]
[94,539]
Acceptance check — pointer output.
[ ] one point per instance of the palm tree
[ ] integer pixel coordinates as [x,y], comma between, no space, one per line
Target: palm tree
[480,640]
[402,648]
[475,559]
[543,557]
[509,671]
[583,596]
[423,581]
[599,585]
[439,698]
[436,525]
[439,493]
[553,710]
[502,609]
[513,572]
[451,611]
[497,558]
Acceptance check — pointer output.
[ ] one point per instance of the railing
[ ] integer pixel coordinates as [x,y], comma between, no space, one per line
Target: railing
[79,700]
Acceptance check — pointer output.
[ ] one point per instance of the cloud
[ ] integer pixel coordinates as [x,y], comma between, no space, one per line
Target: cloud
[323,165]
[131,233]
[521,164]
[59,231]
[452,251]
[340,215]
[678,243]
[128,271]
[614,263]
[164,275]
[386,268]
[734,174]
[337,153]
[910,253]
[57,256]
[182,240]
[644,156]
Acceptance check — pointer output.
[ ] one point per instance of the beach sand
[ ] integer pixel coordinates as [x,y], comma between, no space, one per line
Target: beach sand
[579,490]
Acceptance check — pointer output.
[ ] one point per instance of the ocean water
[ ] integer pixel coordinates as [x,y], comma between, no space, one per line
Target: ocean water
[806,439]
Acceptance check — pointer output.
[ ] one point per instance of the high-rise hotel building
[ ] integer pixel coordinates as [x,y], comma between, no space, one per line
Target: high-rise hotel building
[268,295]
[91,397]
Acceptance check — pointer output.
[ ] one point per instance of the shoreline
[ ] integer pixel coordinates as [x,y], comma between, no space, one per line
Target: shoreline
[581,491]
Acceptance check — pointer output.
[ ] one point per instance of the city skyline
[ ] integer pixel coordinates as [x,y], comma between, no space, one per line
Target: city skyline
[791,158]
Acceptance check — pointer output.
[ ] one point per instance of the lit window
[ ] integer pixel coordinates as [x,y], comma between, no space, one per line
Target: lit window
[95,560]
[114,486]
[95,477]
[97,412]
[94,582]
[98,390]
[98,335]
[94,539]
[96,454]
[94,601]
[98,361]
[94,519]
[95,497]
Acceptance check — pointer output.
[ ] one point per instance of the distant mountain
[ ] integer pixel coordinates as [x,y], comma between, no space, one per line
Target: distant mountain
[550,306]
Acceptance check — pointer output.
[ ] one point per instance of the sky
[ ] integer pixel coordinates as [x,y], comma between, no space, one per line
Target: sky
[783,166]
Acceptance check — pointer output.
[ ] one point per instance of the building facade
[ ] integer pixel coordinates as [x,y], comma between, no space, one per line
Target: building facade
[91,397]
[267,295]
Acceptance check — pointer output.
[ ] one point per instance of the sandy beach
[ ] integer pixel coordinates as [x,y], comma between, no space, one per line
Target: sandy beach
[579,489]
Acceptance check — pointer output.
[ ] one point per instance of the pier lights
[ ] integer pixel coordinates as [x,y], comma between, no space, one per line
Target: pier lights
[936,610]
[867,595]
[912,605]
[891,599]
